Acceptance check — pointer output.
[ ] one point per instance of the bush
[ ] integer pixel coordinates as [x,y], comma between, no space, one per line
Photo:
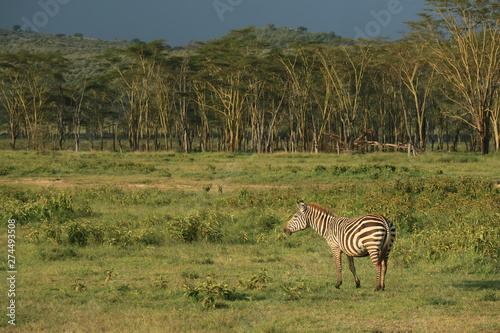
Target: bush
[319,168]
[131,232]
[53,253]
[90,165]
[465,234]
[292,289]
[268,221]
[83,232]
[26,206]
[198,226]
[373,171]
[209,293]
[258,281]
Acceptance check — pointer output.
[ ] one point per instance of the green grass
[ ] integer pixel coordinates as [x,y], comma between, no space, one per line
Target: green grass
[116,242]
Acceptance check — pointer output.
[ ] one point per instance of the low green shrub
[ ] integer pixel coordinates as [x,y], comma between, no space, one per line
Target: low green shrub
[258,281]
[26,206]
[83,232]
[319,168]
[209,292]
[57,252]
[204,226]
[85,166]
[292,289]
[6,169]
[373,171]
[125,232]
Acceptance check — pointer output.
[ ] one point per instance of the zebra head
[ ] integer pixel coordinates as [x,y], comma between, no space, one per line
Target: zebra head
[298,221]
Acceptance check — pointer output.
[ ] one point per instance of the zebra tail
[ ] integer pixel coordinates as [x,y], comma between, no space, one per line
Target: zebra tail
[385,247]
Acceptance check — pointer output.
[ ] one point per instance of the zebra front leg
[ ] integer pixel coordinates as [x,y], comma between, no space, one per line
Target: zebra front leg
[353,270]
[338,264]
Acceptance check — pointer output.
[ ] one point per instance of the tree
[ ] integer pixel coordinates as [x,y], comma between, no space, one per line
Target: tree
[464,37]
[299,65]
[417,79]
[28,82]
[271,26]
[134,69]
[268,92]
[9,98]
[225,73]
[180,74]
[495,119]
[345,68]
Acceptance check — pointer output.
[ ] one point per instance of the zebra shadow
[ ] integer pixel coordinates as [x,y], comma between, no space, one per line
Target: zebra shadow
[479,285]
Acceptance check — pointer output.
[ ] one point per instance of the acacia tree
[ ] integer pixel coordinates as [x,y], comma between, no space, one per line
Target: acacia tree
[345,69]
[201,93]
[464,37]
[163,102]
[8,98]
[180,90]
[270,110]
[77,104]
[100,97]
[325,100]
[134,69]
[299,67]
[382,118]
[225,72]
[417,79]
[495,119]
[27,83]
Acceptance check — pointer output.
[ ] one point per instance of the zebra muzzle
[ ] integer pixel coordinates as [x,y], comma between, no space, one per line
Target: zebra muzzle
[287,231]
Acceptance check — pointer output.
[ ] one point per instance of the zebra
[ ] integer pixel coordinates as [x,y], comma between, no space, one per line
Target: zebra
[369,235]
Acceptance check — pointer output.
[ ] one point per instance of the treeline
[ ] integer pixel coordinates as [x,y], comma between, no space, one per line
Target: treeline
[239,93]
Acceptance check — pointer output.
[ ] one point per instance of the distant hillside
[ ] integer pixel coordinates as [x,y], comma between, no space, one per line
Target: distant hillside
[76,47]
[82,51]
[283,36]
[13,41]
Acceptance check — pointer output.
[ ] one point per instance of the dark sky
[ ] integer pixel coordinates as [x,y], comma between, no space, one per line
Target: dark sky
[182,21]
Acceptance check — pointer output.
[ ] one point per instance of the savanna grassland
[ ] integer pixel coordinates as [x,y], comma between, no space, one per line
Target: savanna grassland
[173,242]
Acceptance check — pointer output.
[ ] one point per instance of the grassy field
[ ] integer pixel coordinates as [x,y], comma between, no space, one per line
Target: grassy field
[172,242]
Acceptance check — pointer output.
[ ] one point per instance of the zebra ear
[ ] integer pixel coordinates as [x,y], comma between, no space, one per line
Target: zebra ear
[302,206]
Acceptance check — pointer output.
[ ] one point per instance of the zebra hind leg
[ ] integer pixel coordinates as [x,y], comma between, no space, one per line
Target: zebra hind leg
[380,266]
[380,283]
[383,270]
[353,270]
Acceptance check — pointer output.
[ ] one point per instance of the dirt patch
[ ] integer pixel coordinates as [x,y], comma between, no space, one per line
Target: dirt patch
[60,183]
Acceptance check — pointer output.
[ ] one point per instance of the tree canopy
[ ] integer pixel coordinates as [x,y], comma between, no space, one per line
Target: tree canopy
[244,92]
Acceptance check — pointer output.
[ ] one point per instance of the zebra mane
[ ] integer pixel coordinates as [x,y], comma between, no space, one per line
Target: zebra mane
[321,209]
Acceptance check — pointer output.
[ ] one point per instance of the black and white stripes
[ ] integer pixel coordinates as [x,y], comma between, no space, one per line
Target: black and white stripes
[369,235]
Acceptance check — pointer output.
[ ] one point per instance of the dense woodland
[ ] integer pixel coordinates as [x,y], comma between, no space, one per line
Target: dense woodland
[262,89]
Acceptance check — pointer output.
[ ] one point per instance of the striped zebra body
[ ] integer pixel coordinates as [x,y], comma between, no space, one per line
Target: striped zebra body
[369,235]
